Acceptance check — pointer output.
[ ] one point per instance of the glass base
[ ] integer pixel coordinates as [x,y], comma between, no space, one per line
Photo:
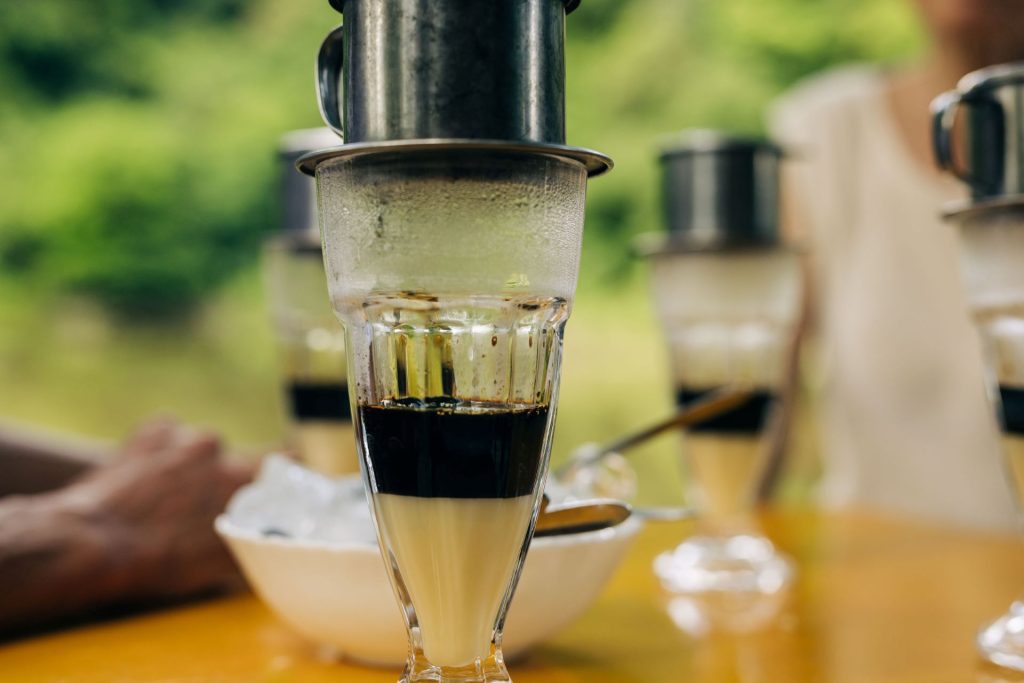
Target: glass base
[490,670]
[744,563]
[699,614]
[1002,641]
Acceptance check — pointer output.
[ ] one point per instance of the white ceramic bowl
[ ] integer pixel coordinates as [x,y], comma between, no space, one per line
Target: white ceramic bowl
[336,591]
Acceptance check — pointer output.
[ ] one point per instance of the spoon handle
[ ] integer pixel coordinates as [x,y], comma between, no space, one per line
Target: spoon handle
[708,406]
[580,517]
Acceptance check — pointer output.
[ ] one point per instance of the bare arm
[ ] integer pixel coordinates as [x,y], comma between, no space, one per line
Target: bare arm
[135,531]
[54,561]
[34,461]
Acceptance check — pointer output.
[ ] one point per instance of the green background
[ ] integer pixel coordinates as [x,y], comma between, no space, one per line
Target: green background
[138,180]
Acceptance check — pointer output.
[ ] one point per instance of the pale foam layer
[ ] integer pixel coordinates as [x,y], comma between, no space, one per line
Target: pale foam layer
[445,221]
[728,316]
[709,353]
[327,446]
[456,557]
[991,247]
[1002,333]
[727,286]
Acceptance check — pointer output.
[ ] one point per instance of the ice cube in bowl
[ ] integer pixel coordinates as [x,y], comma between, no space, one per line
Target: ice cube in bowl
[307,547]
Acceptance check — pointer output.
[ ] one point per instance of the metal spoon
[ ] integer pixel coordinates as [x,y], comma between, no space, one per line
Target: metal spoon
[708,406]
[605,514]
[580,517]
[576,518]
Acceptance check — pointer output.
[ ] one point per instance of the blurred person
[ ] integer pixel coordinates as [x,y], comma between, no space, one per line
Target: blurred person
[905,421]
[80,538]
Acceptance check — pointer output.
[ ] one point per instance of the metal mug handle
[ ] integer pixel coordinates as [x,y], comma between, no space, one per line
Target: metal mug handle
[944,109]
[329,87]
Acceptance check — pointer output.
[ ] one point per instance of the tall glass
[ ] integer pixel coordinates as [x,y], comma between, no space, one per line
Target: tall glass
[453,272]
[312,347]
[992,250]
[729,318]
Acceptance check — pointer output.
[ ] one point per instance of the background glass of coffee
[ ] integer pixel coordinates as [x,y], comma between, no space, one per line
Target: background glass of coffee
[992,251]
[309,336]
[978,132]
[729,319]
[727,291]
[312,349]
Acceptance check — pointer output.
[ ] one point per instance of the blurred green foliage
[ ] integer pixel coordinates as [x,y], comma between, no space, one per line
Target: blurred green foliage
[138,164]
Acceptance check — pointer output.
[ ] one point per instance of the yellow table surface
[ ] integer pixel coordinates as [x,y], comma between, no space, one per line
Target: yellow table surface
[877,600]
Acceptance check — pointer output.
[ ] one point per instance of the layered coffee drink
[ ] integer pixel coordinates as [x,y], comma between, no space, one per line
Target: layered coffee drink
[729,317]
[312,400]
[453,423]
[726,454]
[1011,399]
[314,366]
[322,424]
[991,246]
[453,485]
[317,397]
[452,268]
[1002,335]
[726,457]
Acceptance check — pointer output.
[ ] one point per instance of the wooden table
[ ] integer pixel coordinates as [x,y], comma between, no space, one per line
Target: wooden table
[877,600]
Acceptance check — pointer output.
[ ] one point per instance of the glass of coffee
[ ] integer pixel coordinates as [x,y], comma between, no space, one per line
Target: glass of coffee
[310,339]
[729,319]
[312,349]
[992,257]
[453,271]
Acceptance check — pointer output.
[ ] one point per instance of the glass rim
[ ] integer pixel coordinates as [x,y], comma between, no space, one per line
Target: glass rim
[593,161]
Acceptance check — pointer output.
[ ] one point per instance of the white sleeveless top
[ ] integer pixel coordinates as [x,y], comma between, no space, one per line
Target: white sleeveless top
[906,425]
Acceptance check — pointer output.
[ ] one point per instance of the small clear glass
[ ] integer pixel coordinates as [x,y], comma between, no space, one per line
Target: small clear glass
[453,271]
[312,347]
[992,251]
[729,319]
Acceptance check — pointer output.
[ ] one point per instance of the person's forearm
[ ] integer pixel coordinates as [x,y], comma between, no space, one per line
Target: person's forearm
[55,562]
[34,461]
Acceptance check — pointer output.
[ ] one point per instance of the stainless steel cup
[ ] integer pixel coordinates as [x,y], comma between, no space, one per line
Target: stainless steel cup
[985,149]
[413,70]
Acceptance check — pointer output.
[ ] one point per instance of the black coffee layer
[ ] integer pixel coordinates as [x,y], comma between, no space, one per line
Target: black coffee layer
[442,450]
[750,417]
[1012,399]
[319,401]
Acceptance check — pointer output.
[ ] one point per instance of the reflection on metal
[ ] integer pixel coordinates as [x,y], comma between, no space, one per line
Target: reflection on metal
[409,70]
[978,133]
[719,192]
